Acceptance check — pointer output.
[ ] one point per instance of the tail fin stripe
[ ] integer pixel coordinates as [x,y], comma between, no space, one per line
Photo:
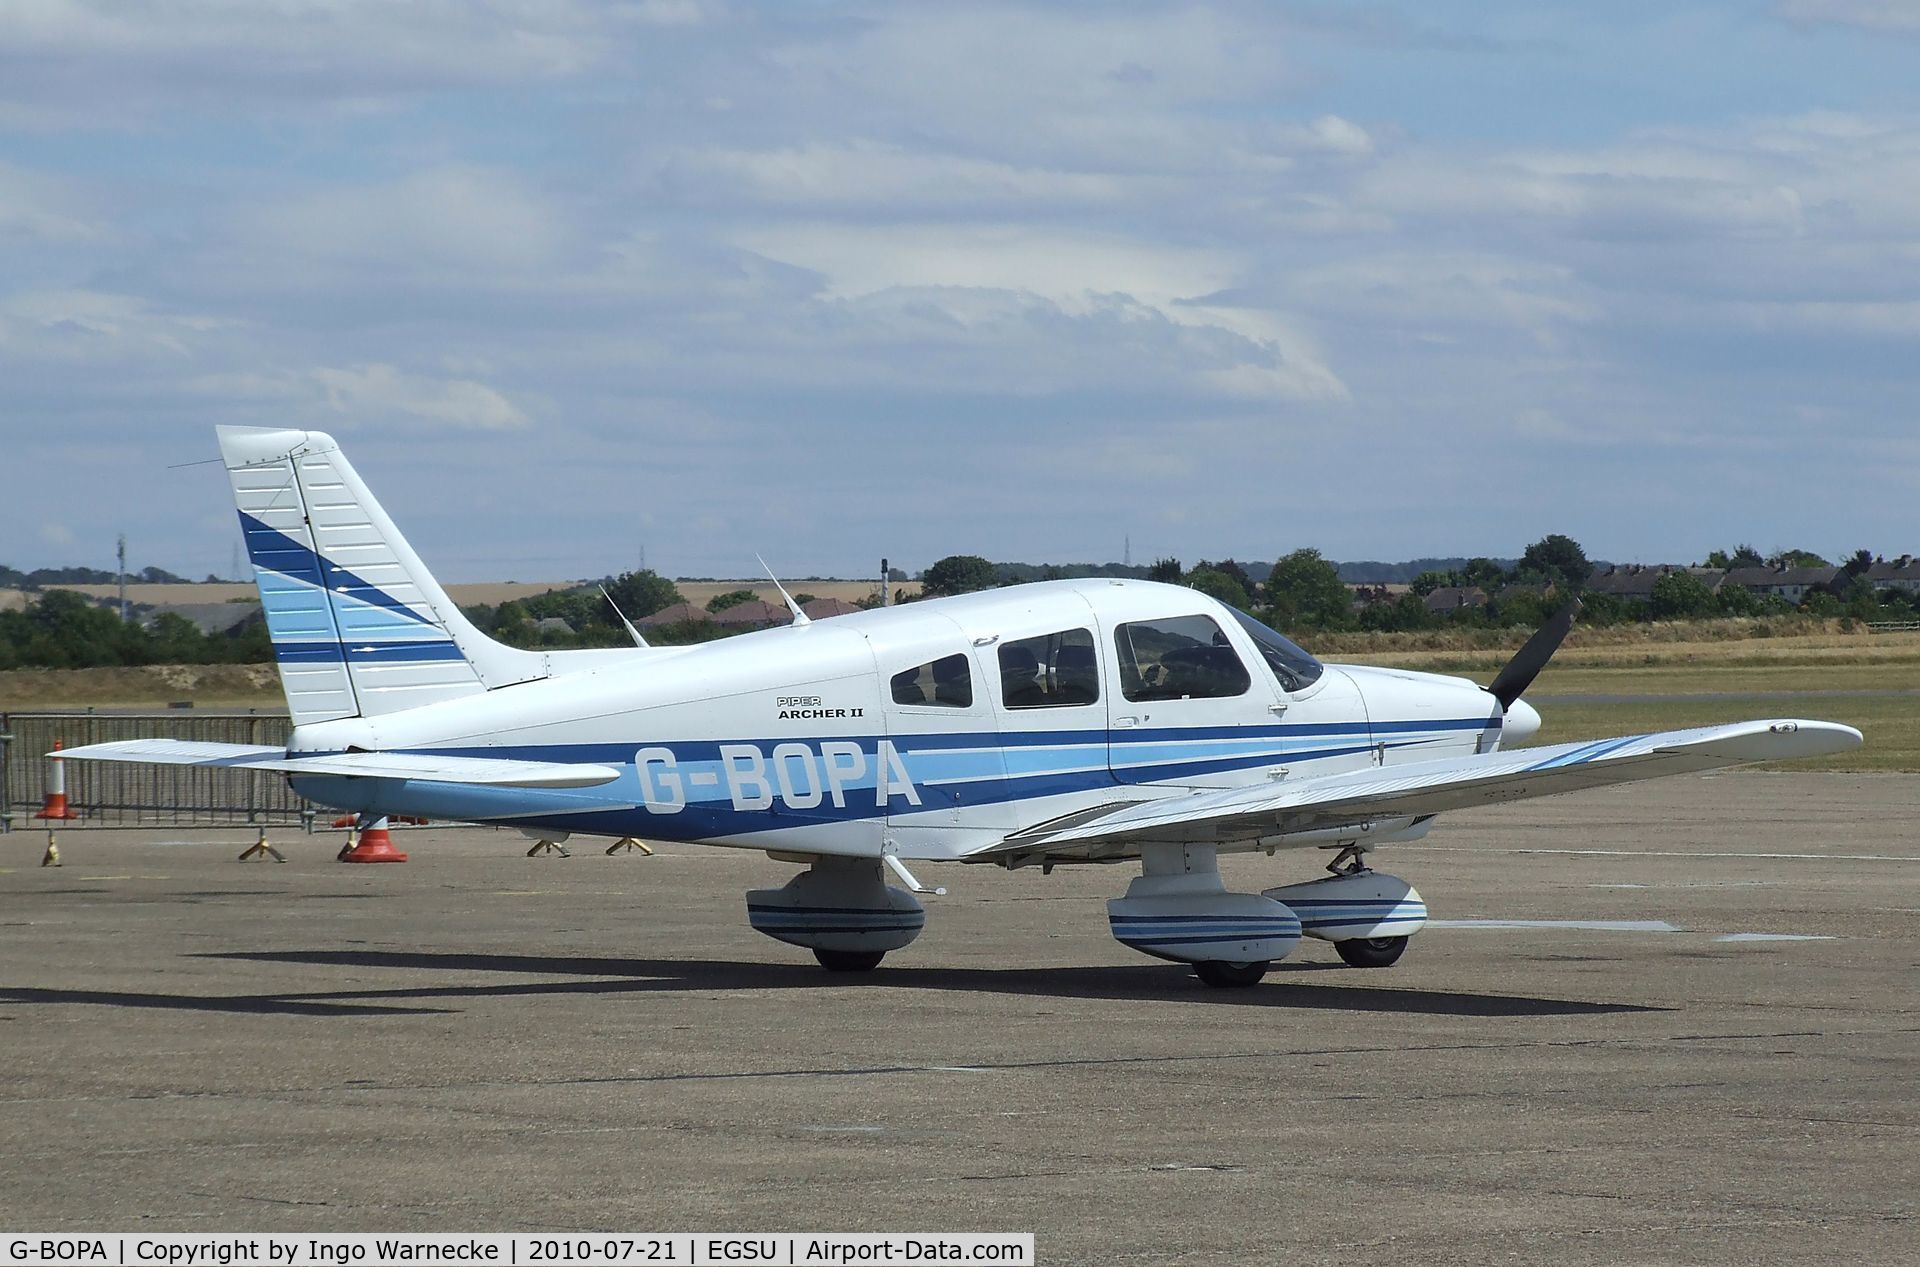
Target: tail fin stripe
[364,653]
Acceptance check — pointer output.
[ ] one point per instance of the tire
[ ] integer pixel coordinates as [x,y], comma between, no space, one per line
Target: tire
[1222,975]
[849,960]
[1371,952]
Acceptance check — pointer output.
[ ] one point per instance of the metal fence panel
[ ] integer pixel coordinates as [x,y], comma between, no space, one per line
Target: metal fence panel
[113,794]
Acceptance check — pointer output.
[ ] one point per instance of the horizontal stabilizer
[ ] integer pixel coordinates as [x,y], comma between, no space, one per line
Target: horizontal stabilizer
[481,771]
[1263,812]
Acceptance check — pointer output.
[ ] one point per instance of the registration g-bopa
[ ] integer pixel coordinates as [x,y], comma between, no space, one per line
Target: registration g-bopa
[1044,725]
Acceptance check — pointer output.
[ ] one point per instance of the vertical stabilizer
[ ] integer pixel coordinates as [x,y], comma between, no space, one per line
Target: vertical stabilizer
[359,627]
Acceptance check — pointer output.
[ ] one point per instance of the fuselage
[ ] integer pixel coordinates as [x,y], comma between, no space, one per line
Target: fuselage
[929,730]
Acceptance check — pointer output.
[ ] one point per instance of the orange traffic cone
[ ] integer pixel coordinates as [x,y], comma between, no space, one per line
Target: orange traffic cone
[56,805]
[376,845]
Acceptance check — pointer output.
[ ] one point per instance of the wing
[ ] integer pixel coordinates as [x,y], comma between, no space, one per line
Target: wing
[1259,815]
[485,771]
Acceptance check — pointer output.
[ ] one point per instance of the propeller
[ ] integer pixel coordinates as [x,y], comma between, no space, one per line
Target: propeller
[1512,681]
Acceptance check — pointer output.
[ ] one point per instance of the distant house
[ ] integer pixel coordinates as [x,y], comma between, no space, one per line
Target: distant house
[1634,582]
[678,614]
[1790,583]
[1902,573]
[552,625]
[1365,595]
[1523,589]
[752,613]
[1451,598]
[821,608]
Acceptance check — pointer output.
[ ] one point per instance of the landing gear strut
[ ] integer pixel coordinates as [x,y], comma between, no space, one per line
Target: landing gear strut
[1351,860]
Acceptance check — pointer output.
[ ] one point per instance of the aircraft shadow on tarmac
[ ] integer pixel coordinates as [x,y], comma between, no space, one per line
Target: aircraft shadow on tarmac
[629,976]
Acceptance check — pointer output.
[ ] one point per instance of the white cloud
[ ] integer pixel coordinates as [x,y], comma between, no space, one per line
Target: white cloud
[1066,267]
[459,217]
[95,326]
[995,59]
[1829,174]
[964,271]
[36,206]
[1874,15]
[368,393]
[1336,135]
[103,61]
[1609,194]
[1442,291]
[869,175]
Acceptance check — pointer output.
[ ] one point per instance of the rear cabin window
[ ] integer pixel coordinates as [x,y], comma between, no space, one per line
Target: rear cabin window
[942,683]
[1184,657]
[1050,671]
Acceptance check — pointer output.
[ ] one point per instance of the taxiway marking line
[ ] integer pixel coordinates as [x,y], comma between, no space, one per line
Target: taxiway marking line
[1679,853]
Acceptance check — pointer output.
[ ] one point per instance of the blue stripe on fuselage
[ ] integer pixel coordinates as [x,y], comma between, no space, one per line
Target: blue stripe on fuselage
[618,807]
[696,750]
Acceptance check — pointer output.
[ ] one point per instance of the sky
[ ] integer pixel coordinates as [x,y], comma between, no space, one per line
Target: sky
[827,282]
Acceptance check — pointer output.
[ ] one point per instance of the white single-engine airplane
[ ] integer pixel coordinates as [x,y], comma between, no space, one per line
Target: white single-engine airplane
[1061,722]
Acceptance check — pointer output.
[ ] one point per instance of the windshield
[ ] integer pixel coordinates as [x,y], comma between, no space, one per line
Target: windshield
[1294,667]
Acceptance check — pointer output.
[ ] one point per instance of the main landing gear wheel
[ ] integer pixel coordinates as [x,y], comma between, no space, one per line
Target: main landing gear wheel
[1222,975]
[849,960]
[1371,952]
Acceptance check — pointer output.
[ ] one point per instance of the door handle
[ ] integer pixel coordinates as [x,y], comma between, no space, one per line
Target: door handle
[1122,723]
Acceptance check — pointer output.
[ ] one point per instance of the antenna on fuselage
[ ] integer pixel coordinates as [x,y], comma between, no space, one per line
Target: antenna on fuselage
[632,633]
[799,617]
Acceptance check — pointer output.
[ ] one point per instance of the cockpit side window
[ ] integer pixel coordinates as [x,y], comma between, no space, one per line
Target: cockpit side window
[1180,657]
[1050,671]
[1291,665]
[943,683]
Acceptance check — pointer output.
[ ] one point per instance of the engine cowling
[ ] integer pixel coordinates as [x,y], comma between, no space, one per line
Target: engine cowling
[1364,905]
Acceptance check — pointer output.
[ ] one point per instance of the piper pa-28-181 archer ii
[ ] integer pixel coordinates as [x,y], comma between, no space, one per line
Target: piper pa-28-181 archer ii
[1041,725]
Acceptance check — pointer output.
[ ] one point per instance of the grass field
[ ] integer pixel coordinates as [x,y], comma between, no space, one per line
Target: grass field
[1601,685]
[1891,723]
[1666,680]
[209,686]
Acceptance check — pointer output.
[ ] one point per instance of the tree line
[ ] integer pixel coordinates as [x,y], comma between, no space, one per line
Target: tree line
[65,630]
[1304,591]
[40,578]
[1301,592]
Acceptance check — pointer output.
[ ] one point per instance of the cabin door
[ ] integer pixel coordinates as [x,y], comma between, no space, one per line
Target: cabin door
[1186,707]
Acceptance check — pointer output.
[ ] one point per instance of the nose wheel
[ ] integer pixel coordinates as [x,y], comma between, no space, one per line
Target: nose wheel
[1371,952]
[1222,975]
[849,960]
